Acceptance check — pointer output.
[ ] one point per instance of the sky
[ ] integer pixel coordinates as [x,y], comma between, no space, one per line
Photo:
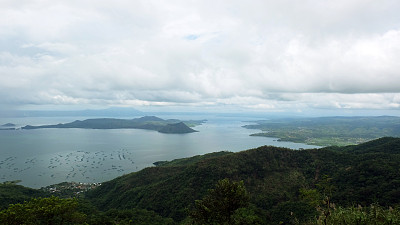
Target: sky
[225,55]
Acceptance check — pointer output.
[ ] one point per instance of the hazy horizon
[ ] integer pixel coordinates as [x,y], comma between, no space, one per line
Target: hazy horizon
[166,113]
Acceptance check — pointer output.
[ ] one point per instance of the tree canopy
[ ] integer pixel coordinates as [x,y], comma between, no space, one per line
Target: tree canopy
[52,210]
[219,205]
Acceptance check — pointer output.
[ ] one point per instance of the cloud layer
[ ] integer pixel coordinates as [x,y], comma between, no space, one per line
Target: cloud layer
[258,54]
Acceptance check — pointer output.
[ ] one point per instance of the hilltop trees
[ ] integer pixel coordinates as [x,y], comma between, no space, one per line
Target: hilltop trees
[223,205]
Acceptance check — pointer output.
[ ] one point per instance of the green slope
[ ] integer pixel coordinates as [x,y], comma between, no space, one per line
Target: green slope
[11,193]
[362,174]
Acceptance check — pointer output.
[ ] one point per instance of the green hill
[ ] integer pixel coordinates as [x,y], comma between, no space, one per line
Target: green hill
[364,174]
[176,128]
[11,193]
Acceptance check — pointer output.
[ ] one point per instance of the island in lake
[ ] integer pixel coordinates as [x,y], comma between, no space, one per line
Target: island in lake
[170,126]
[7,126]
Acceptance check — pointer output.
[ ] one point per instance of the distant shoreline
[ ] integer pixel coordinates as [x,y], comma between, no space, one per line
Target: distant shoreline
[328,131]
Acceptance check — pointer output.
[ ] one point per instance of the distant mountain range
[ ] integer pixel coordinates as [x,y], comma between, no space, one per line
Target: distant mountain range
[170,126]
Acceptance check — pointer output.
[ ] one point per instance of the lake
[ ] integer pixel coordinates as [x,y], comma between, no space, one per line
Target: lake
[48,156]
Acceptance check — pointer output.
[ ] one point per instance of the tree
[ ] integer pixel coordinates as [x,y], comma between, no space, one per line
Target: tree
[320,198]
[52,210]
[218,206]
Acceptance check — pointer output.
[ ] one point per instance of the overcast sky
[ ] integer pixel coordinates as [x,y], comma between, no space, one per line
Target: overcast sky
[225,54]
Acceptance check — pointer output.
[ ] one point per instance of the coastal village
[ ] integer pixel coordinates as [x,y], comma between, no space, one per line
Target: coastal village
[70,189]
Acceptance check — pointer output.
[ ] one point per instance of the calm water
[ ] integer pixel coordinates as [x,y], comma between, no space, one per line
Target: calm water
[47,156]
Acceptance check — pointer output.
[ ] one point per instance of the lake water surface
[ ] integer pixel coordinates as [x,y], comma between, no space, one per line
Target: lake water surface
[48,156]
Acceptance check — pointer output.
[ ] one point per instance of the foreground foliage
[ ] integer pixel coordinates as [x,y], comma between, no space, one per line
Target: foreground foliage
[220,204]
[52,210]
[373,214]
[11,193]
[128,216]
[55,210]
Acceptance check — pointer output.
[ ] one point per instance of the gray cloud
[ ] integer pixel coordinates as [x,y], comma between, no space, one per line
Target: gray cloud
[258,54]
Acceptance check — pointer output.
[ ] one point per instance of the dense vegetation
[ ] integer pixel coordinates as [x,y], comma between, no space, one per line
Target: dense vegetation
[147,123]
[267,185]
[11,193]
[328,131]
[52,210]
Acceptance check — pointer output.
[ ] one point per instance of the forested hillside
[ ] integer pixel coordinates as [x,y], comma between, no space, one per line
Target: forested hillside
[274,177]
[10,193]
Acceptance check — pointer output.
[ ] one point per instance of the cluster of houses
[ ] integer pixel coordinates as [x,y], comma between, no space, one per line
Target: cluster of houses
[75,188]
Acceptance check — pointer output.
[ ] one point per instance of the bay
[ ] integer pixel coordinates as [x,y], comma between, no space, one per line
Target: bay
[48,156]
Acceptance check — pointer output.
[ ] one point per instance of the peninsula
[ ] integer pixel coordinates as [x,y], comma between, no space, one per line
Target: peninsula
[326,131]
[171,126]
